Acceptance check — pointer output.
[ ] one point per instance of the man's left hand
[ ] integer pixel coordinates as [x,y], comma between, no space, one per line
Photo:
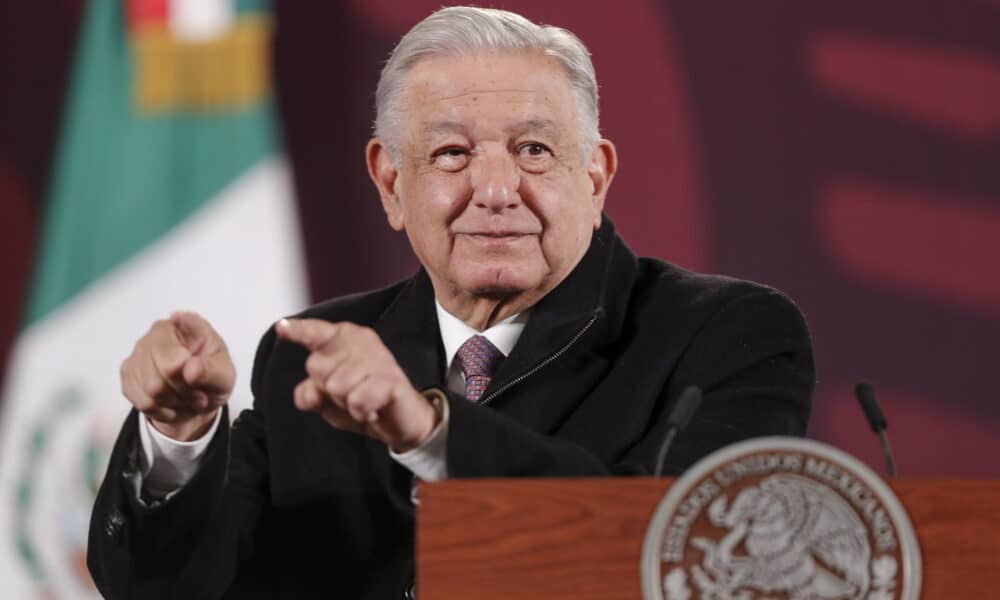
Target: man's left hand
[356,385]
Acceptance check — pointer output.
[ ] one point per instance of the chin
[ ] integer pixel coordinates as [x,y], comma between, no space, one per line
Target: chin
[500,283]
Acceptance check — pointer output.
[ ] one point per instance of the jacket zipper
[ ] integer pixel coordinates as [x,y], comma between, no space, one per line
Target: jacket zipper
[549,359]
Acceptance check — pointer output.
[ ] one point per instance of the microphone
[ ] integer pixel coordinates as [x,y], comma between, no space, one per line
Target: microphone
[677,420]
[876,420]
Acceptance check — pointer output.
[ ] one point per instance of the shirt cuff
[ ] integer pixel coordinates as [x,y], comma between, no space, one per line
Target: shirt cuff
[167,464]
[428,461]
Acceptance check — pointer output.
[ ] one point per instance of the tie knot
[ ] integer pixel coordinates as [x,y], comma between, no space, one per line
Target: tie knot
[478,357]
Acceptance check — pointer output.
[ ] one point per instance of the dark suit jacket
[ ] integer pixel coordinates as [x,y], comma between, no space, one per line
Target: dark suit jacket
[284,505]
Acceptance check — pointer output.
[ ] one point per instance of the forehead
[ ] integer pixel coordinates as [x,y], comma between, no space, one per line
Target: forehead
[489,91]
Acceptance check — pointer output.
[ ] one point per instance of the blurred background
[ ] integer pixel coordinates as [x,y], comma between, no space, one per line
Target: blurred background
[208,154]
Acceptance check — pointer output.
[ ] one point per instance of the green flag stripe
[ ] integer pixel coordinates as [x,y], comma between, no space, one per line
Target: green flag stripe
[120,179]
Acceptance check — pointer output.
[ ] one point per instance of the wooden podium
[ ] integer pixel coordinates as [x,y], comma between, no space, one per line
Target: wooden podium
[582,538]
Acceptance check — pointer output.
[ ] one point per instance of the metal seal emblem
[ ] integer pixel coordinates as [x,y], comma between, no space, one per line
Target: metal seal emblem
[780,517]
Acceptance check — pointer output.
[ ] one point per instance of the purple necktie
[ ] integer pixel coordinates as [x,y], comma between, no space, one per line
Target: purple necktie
[478,359]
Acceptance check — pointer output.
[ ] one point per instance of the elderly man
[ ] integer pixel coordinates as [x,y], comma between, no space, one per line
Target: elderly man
[531,343]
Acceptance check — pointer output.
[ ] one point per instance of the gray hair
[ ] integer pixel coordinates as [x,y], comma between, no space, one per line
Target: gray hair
[462,30]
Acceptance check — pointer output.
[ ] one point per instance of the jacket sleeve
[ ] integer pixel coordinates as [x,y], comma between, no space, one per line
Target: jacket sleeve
[197,544]
[485,443]
[752,360]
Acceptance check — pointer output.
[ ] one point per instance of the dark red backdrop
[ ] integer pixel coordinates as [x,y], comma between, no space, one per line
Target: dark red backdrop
[847,152]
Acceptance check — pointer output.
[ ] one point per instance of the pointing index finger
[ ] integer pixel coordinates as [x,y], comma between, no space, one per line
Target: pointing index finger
[311,333]
[193,331]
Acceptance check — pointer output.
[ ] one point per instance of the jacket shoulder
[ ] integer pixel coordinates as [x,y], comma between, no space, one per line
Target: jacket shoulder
[670,299]
[666,282]
[363,308]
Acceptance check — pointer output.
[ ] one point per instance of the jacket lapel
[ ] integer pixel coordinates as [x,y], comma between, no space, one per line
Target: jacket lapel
[551,366]
[557,355]
[409,329]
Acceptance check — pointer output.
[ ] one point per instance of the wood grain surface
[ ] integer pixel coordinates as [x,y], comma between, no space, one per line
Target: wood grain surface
[582,538]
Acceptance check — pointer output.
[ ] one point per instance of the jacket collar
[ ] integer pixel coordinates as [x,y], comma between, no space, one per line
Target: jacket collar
[409,328]
[591,293]
[585,309]
[580,303]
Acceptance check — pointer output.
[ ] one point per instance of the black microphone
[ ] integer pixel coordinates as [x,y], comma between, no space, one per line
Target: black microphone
[677,420]
[876,420]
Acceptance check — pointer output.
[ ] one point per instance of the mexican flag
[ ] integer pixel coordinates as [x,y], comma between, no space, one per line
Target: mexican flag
[168,191]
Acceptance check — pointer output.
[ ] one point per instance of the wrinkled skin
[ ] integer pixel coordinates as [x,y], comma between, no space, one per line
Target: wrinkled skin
[492,188]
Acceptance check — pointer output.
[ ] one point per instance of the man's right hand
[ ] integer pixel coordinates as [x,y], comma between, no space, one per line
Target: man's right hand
[178,375]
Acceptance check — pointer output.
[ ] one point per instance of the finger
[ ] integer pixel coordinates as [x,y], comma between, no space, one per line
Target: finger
[341,385]
[195,333]
[307,395]
[168,362]
[136,381]
[213,373]
[344,378]
[159,410]
[339,418]
[318,382]
[157,389]
[132,390]
[399,424]
[321,365]
[200,402]
[367,398]
[162,414]
[165,387]
[311,333]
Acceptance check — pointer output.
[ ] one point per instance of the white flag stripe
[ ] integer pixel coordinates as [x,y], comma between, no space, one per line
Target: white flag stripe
[237,261]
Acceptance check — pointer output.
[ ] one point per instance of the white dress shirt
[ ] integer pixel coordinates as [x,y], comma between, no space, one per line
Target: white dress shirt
[168,464]
[454,333]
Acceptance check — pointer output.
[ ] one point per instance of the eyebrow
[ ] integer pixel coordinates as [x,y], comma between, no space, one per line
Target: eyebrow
[546,126]
[445,127]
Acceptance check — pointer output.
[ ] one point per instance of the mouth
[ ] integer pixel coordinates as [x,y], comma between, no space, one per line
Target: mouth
[498,235]
[497,238]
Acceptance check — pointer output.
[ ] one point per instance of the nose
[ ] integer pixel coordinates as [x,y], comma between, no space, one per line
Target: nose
[495,180]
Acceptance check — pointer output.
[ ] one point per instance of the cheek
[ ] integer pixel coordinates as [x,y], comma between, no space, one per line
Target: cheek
[561,239]
[559,201]
[431,204]
[433,199]
[568,231]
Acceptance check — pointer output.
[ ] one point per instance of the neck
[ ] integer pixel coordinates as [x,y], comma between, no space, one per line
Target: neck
[481,312]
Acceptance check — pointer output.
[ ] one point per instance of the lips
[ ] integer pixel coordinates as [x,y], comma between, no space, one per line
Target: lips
[498,233]
[497,239]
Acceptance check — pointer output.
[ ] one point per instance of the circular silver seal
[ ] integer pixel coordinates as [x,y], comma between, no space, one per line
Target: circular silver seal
[780,517]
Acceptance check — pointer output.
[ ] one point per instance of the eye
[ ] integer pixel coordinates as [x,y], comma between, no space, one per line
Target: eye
[535,157]
[451,158]
[533,149]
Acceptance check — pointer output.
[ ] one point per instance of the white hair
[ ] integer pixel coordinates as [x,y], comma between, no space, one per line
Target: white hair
[465,30]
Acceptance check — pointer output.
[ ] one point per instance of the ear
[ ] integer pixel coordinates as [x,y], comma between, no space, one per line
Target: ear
[384,175]
[601,170]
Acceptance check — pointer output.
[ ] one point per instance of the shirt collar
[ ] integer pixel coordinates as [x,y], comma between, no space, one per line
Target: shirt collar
[454,332]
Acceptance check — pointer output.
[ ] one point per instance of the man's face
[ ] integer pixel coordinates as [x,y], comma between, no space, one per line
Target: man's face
[492,187]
